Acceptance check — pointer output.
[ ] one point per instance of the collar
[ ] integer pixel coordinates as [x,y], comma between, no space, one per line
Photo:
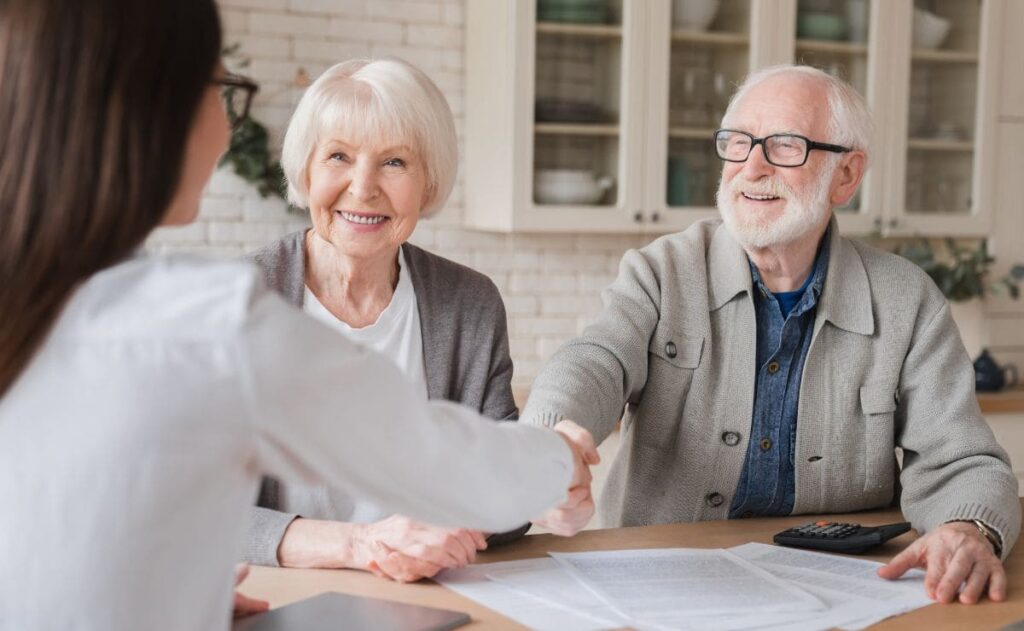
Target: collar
[845,298]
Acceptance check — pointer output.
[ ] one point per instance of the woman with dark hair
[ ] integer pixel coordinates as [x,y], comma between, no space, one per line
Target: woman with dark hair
[141,399]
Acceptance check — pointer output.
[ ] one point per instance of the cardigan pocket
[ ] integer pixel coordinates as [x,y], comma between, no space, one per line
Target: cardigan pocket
[878,403]
[675,348]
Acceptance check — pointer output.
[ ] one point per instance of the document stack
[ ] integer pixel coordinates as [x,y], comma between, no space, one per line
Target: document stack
[753,586]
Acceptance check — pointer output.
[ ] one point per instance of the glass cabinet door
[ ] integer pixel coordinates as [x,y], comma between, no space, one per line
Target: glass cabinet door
[709,56]
[833,35]
[578,103]
[942,108]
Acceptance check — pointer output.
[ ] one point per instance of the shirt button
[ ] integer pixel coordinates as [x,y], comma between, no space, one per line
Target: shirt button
[714,499]
[670,349]
[773,368]
[766,444]
[731,438]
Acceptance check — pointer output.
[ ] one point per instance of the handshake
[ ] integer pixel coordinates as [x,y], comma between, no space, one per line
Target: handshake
[573,514]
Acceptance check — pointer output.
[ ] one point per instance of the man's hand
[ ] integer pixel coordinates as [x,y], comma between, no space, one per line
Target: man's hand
[952,554]
[243,605]
[404,550]
[572,515]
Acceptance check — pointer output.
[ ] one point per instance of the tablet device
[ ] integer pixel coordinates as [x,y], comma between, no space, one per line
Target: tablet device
[333,612]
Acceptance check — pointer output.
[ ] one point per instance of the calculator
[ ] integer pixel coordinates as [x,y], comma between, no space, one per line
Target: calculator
[834,537]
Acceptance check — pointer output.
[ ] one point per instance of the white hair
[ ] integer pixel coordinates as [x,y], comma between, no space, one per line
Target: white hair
[850,122]
[374,101]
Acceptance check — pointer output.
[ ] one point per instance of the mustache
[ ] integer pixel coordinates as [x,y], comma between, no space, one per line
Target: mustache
[766,186]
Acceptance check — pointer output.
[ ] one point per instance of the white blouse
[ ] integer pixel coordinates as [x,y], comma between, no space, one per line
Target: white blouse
[132,445]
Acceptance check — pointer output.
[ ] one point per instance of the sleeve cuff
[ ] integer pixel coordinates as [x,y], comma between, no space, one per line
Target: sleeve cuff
[266,529]
[995,522]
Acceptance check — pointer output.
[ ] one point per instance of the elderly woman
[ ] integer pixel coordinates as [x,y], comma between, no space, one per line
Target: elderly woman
[370,150]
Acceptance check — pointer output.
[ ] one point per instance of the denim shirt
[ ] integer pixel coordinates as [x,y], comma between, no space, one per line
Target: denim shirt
[767,485]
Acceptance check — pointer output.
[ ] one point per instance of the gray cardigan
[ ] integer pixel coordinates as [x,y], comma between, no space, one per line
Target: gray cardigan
[675,346]
[465,355]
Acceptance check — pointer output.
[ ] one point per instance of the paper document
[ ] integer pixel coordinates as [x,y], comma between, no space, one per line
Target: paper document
[856,596]
[546,580]
[472,582]
[655,586]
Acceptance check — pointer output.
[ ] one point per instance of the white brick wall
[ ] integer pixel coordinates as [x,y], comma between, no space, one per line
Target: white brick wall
[550,284]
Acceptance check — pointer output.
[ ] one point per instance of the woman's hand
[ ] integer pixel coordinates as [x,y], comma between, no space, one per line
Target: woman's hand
[397,547]
[243,605]
[404,550]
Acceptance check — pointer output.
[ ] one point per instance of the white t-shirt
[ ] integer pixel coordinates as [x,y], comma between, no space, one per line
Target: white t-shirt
[397,336]
[132,446]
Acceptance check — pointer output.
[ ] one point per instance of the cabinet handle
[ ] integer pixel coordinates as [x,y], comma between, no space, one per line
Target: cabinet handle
[655,216]
[894,223]
[638,216]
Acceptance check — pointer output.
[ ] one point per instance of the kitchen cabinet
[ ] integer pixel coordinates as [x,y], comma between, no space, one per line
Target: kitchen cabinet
[597,115]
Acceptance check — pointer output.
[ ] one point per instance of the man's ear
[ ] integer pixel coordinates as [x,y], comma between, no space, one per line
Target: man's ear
[848,177]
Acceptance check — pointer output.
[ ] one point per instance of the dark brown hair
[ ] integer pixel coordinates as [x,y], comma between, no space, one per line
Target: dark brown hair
[97,98]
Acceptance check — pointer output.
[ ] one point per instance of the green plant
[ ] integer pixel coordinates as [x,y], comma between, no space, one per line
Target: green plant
[249,150]
[249,156]
[963,272]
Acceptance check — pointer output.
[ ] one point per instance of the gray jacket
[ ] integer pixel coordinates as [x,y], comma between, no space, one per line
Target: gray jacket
[675,347]
[465,355]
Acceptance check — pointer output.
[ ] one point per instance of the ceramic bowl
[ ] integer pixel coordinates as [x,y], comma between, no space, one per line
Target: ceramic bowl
[569,186]
[814,25]
[930,30]
[694,15]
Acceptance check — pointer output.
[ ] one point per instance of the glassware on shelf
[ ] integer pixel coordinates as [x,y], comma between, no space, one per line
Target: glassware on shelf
[694,15]
[857,13]
[573,11]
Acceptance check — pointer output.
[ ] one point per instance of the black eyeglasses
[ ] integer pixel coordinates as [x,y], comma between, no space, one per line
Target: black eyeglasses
[782,150]
[237,92]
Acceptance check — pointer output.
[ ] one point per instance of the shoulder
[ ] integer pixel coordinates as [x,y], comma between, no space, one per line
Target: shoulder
[436,276]
[173,296]
[679,251]
[282,264]
[895,280]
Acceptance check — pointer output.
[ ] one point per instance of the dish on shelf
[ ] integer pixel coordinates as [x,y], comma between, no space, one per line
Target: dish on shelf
[694,15]
[573,11]
[930,30]
[569,186]
[820,25]
[568,111]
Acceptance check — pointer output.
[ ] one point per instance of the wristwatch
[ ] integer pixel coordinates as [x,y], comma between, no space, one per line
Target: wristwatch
[988,533]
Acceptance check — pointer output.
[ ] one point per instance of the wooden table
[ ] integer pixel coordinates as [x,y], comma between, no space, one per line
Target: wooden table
[282,586]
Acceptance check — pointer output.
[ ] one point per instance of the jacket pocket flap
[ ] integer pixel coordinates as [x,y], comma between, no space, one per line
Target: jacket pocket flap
[676,349]
[877,399]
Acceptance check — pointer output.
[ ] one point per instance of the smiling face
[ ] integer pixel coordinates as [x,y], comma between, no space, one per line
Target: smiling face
[764,205]
[365,198]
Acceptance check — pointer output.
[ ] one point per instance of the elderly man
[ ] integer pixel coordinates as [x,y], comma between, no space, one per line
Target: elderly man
[769,366]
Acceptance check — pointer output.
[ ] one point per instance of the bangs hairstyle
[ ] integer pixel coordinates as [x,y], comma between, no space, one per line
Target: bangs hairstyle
[384,102]
[850,123]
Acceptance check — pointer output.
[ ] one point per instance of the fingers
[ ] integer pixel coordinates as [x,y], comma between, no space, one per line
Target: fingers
[571,516]
[957,570]
[974,588]
[400,567]
[241,571]
[936,559]
[997,583]
[581,438]
[910,558]
[245,606]
[479,539]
